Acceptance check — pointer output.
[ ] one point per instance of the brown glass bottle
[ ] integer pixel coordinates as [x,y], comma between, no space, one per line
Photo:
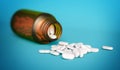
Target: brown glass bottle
[36,26]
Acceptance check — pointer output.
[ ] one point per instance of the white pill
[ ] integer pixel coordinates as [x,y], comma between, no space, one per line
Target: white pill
[54,47]
[62,47]
[82,51]
[78,45]
[94,50]
[83,46]
[70,47]
[76,52]
[87,47]
[81,55]
[107,48]
[63,43]
[51,30]
[60,51]
[53,36]
[67,50]
[54,53]
[44,51]
[68,55]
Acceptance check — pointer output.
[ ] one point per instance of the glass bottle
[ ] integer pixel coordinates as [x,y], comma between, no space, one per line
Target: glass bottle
[36,26]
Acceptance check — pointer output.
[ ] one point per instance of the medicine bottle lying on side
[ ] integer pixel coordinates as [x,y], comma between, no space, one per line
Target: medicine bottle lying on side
[36,26]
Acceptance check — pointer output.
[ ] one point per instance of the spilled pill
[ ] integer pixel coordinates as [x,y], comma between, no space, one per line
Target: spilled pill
[68,55]
[76,52]
[54,53]
[81,55]
[107,48]
[73,50]
[63,43]
[44,51]
[54,47]
[94,50]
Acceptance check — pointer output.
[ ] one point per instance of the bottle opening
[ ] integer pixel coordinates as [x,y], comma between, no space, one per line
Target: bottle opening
[46,29]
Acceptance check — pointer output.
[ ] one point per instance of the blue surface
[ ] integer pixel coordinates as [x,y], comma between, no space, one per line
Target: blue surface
[94,22]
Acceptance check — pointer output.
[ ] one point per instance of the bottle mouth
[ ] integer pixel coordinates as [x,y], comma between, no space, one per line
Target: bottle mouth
[46,29]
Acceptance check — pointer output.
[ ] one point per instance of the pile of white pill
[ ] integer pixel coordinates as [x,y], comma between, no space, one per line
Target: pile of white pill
[73,50]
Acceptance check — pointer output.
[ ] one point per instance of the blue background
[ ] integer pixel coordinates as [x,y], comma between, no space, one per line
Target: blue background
[93,22]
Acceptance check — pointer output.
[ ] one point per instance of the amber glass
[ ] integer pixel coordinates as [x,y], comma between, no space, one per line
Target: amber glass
[34,25]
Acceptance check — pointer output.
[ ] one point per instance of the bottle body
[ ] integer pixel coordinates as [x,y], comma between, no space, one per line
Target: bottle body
[36,26]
